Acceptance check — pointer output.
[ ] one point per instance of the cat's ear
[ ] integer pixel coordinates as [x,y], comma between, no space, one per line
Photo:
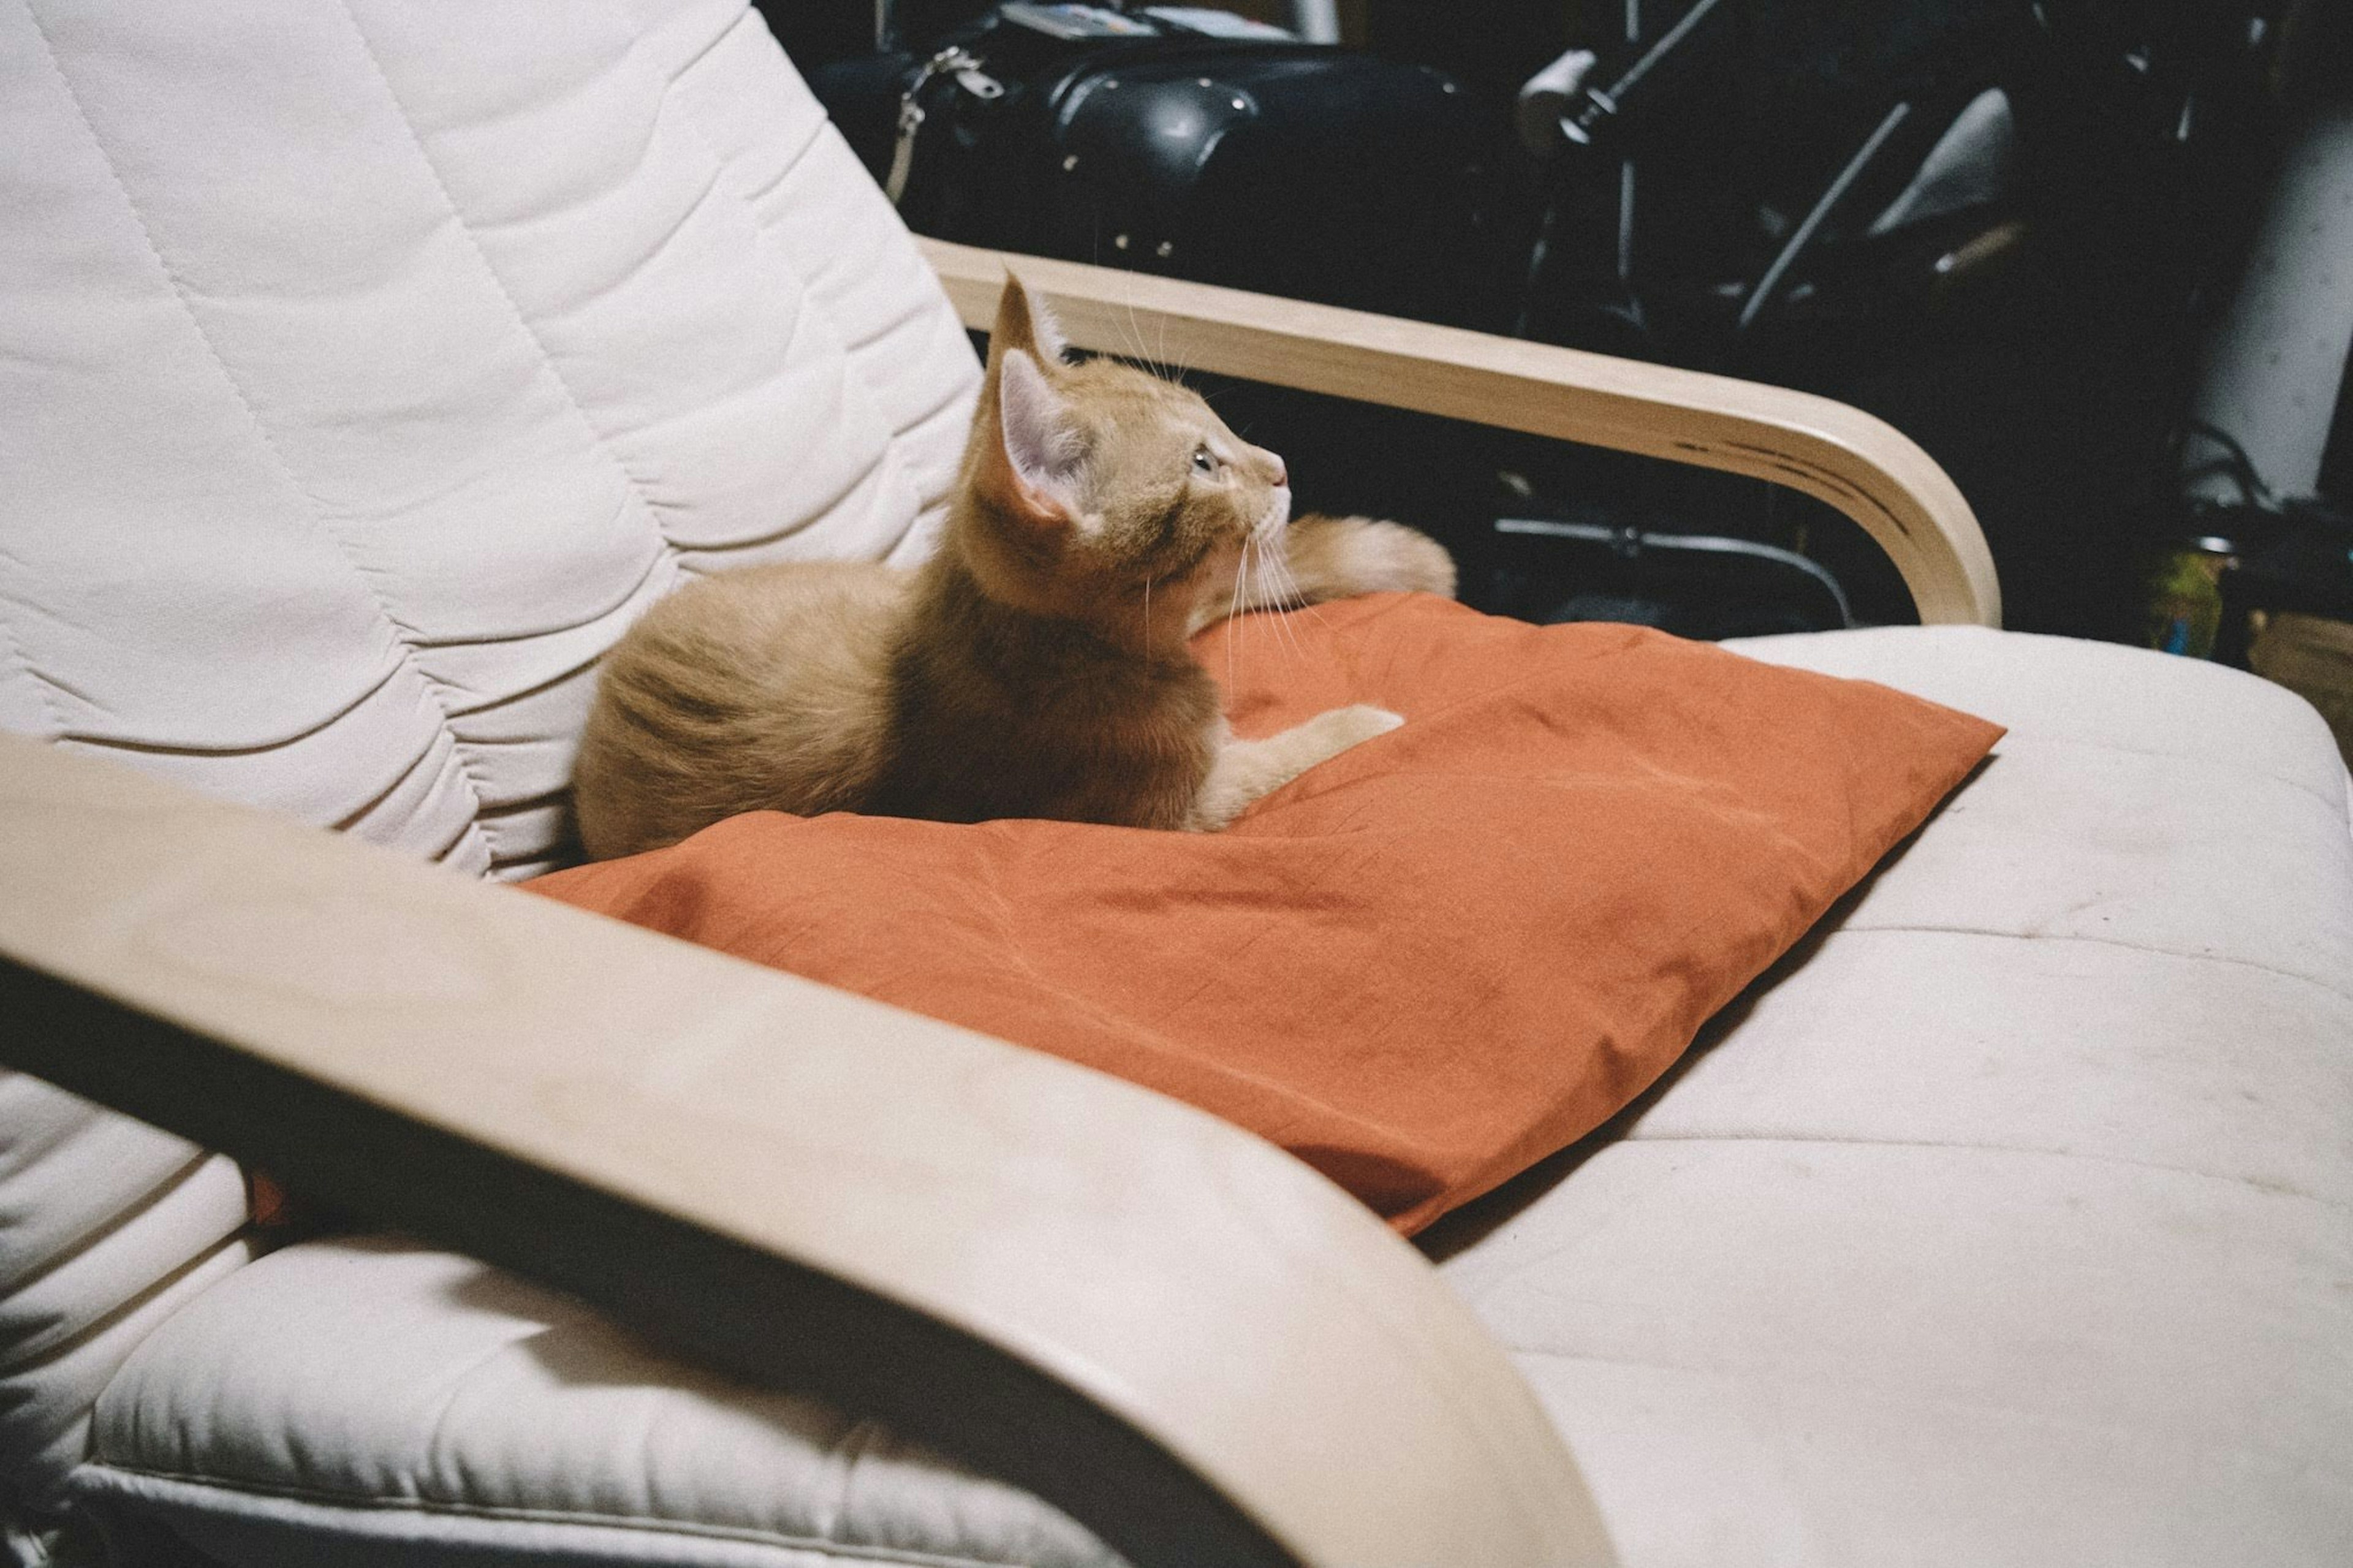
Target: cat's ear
[1023,322]
[1031,470]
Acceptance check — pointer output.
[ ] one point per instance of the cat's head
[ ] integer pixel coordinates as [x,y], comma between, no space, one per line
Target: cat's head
[1087,486]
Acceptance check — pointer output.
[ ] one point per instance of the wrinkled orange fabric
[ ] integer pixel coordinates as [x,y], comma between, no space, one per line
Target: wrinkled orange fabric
[1419,967]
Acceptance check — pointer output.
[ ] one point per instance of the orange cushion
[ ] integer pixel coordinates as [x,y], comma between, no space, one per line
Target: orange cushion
[1421,966]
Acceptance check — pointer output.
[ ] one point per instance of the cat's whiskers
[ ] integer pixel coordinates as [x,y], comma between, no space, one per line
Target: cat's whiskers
[1247,594]
[1266,592]
[1135,334]
[1273,585]
[1253,585]
[1291,592]
[1286,593]
[1182,370]
[1277,556]
[1233,617]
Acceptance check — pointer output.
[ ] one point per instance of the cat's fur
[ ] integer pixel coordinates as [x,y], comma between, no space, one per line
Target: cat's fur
[1036,666]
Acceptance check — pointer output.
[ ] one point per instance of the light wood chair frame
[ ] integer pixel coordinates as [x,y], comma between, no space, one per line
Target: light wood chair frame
[1188,1341]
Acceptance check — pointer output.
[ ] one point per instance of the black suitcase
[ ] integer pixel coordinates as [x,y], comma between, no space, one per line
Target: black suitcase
[1304,170]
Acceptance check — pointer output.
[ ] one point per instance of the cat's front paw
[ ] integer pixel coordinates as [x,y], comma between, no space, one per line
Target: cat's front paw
[1340,728]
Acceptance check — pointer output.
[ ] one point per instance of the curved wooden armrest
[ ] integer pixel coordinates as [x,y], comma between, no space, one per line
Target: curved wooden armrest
[1865,467]
[1187,1340]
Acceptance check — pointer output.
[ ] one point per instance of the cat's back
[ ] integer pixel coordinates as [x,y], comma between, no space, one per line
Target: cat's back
[761,688]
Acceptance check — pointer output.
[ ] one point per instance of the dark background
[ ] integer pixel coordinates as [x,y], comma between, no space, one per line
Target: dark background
[2052,388]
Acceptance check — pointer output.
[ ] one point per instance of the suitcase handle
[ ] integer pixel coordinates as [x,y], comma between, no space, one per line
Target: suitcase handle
[965,66]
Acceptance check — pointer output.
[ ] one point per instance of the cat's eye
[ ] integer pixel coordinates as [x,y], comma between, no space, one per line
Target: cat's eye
[1205,461]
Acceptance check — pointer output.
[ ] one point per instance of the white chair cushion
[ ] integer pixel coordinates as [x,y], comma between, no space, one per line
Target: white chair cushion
[366,368]
[375,1403]
[2003,1224]
[2007,1222]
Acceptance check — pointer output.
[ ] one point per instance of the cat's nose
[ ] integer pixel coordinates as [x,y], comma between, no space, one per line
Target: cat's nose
[1282,475]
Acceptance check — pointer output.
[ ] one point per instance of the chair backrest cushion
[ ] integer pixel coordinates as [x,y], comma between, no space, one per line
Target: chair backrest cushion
[366,368]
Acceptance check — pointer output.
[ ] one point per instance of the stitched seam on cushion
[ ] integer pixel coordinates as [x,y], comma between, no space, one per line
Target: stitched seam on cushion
[2292,1461]
[743,19]
[907,317]
[2269,1189]
[240,748]
[541,634]
[110,1224]
[2053,738]
[891,457]
[722,168]
[393,786]
[122,1312]
[401,635]
[846,1453]
[454,1389]
[2017,732]
[653,1523]
[631,484]
[43,696]
[2259,968]
[21,1150]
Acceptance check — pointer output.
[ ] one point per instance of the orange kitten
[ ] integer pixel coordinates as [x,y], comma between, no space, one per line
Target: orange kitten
[1035,667]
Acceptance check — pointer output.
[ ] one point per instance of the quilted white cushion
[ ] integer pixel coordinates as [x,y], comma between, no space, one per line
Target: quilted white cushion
[370,1402]
[366,367]
[2007,1222]
[2003,1224]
